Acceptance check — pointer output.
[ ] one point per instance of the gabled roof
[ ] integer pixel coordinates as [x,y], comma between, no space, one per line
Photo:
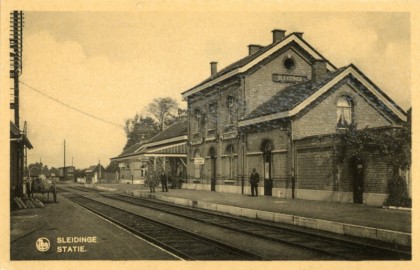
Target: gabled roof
[133,150]
[249,61]
[293,99]
[173,134]
[174,131]
[91,168]
[291,96]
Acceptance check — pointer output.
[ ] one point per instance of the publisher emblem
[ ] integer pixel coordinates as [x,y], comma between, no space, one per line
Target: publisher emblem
[42,244]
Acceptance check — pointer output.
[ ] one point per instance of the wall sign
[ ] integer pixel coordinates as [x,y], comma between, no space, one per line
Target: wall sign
[199,161]
[285,78]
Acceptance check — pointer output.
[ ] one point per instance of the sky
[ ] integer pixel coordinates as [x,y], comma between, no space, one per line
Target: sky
[112,64]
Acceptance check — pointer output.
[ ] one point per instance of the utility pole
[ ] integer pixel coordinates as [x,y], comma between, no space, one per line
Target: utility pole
[100,172]
[16,45]
[64,169]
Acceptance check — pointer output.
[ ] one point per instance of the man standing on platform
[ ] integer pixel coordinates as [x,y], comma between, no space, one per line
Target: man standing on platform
[164,181]
[254,179]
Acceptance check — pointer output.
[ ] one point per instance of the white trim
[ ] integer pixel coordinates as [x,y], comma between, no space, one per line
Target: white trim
[379,95]
[174,139]
[254,153]
[279,151]
[263,118]
[319,92]
[165,155]
[226,155]
[369,102]
[266,54]
[166,147]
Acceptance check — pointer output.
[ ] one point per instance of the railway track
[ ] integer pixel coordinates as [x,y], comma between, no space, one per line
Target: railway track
[339,248]
[184,244]
[334,247]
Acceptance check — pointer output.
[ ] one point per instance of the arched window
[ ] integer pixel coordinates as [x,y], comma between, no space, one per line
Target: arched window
[267,147]
[230,151]
[344,111]
[197,165]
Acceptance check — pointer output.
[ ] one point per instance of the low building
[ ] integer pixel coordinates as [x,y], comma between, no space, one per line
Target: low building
[281,110]
[66,173]
[18,142]
[165,151]
[94,174]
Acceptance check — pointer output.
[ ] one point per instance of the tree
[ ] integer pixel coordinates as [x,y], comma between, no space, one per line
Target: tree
[35,169]
[394,146]
[165,111]
[139,129]
[112,167]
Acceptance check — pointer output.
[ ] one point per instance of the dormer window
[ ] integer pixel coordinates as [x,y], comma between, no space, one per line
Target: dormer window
[344,111]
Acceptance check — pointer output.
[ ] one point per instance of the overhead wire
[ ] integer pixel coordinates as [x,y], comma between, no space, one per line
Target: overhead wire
[69,106]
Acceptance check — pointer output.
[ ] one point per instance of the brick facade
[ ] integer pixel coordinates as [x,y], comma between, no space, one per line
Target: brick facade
[322,118]
[293,142]
[260,85]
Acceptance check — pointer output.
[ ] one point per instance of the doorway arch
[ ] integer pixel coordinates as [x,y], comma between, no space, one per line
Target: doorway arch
[213,155]
[357,168]
[267,148]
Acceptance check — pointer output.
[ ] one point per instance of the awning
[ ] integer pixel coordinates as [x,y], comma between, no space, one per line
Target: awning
[174,150]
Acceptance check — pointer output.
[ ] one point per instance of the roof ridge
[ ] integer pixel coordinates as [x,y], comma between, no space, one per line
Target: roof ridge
[310,84]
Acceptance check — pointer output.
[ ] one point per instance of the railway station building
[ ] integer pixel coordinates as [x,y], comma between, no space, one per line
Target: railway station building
[166,151]
[280,110]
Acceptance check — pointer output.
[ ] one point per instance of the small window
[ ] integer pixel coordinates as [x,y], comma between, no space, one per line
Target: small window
[289,63]
[344,111]
[230,101]
[212,108]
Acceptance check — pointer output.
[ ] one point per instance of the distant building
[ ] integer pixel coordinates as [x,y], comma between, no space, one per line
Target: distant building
[70,170]
[166,151]
[95,174]
[18,143]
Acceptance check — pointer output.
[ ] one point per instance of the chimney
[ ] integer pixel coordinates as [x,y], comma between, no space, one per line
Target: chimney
[213,68]
[254,48]
[319,69]
[299,34]
[278,35]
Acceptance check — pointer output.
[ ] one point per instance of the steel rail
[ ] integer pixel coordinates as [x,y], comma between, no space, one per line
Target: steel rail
[219,250]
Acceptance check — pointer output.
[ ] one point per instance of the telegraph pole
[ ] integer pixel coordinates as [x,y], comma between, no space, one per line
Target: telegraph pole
[64,169]
[16,45]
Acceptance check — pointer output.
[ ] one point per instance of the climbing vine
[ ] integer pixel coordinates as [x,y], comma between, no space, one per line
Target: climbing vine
[392,144]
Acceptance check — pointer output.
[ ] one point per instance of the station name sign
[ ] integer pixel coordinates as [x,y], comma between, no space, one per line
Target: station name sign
[285,78]
[199,161]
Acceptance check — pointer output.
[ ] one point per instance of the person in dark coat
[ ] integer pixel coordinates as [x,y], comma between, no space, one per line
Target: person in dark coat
[164,182]
[253,180]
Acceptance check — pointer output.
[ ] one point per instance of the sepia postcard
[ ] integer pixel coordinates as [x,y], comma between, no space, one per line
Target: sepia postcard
[203,134]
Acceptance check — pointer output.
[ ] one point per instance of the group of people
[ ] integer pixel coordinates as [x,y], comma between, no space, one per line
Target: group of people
[153,180]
